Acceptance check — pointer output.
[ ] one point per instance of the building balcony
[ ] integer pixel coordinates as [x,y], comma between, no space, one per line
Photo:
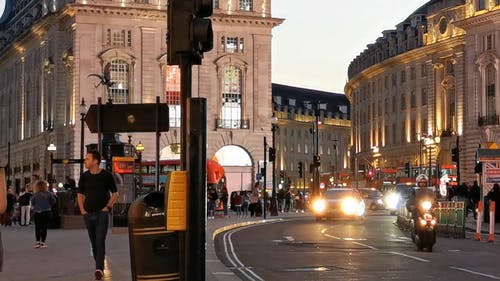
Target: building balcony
[233,124]
[488,120]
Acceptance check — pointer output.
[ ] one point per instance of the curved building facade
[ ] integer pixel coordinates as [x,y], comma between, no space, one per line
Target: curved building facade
[427,88]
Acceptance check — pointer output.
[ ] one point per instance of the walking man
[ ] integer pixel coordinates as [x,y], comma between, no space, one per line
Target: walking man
[96,195]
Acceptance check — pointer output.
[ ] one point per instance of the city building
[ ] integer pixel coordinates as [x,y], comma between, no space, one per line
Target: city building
[426,88]
[48,49]
[297,110]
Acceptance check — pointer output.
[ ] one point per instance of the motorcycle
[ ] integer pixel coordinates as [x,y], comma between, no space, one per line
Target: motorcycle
[424,230]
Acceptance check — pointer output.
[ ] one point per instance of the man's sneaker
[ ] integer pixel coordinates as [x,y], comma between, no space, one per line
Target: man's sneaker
[37,245]
[43,245]
[98,274]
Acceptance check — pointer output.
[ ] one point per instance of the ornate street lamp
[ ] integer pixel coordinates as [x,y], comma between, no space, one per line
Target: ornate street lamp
[431,142]
[274,202]
[139,148]
[83,112]
[51,149]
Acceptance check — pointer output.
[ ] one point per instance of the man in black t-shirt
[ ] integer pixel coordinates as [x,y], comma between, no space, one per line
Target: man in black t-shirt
[96,195]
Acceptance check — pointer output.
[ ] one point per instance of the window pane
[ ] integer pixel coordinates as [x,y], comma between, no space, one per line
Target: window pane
[118,92]
[246,5]
[231,98]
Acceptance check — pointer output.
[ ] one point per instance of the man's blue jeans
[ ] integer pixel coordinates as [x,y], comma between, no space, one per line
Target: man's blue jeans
[97,227]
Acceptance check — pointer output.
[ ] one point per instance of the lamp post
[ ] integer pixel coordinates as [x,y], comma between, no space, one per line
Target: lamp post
[274,203]
[51,149]
[139,148]
[83,112]
[430,143]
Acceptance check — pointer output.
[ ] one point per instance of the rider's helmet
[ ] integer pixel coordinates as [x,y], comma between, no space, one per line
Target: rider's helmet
[422,180]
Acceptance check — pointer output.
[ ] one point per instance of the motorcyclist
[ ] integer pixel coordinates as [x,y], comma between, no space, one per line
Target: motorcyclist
[412,202]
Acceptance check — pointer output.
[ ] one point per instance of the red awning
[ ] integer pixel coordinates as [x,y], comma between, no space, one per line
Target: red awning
[215,172]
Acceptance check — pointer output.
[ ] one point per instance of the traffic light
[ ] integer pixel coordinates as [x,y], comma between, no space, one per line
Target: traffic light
[272,154]
[370,173]
[407,168]
[478,169]
[300,167]
[282,175]
[317,161]
[189,30]
[455,154]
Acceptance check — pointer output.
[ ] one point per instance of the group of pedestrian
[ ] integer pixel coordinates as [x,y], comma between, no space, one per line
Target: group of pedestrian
[469,194]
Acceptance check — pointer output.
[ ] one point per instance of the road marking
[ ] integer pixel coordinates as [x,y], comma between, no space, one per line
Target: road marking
[289,238]
[224,273]
[409,256]
[364,245]
[233,258]
[475,272]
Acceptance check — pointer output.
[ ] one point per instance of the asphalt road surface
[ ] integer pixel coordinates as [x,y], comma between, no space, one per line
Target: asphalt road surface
[370,249]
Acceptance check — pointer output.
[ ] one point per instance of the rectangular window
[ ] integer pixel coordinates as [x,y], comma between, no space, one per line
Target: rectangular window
[423,70]
[118,38]
[481,5]
[424,96]
[216,4]
[403,101]
[413,102]
[489,43]
[413,73]
[393,79]
[246,5]
[142,1]
[232,45]
[403,76]
[129,38]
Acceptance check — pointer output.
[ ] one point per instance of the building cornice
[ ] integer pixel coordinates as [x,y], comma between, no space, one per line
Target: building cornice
[400,60]
[246,20]
[144,12]
[479,20]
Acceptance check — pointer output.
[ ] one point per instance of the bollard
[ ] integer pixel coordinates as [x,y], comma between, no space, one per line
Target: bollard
[491,238]
[479,216]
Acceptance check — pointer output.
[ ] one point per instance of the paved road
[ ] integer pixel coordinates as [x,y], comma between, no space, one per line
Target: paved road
[372,249]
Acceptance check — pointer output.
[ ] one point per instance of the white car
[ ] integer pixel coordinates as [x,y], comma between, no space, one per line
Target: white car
[339,202]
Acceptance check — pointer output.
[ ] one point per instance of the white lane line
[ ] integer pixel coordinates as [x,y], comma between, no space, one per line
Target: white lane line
[408,256]
[475,272]
[331,236]
[224,273]
[237,262]
[364,245]
[289,238]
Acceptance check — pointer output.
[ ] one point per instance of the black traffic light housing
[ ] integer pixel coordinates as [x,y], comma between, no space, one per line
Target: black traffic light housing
[407,169]
[300,167]
[272,154]
[190,32]
[455,154]
[478,169]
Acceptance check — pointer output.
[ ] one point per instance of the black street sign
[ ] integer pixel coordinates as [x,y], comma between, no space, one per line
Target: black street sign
[116,118]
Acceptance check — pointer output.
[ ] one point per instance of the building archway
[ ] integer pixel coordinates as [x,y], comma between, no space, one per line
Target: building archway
[237,164]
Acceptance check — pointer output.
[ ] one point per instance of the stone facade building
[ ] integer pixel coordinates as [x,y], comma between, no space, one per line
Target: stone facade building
[435,75]
[296,110]
[49,47]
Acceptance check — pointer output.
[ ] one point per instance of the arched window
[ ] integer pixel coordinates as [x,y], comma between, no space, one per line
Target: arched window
[119,91]
[490,91]
[231,98]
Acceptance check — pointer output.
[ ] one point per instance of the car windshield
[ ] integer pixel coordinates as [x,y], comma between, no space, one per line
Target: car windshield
[338,193]
[404,190]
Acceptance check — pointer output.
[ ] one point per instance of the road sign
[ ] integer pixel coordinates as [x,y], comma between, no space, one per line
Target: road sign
[117,118]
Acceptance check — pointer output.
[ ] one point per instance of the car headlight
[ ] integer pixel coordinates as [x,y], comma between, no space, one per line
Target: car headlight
[319,205]
[392,200]
[426,205]
[350,206]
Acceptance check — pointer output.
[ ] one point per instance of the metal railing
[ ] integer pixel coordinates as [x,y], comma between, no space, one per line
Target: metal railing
[488,120]
[232,124]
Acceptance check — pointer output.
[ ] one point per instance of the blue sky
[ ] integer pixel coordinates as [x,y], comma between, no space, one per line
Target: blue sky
[319,38]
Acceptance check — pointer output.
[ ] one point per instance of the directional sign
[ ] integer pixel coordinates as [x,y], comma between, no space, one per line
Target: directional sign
[115,118]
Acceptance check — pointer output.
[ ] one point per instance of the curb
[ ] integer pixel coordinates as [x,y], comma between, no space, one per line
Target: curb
[241,224]
[482,230]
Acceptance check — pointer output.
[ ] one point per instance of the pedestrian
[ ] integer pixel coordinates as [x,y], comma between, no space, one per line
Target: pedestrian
[11,201]
[25,205]
[238,202]
[97,193]
[288,200]
[494,195]
[3,207]
[253,206]
[224,198]
[246,203]
[475,193]
[42,202]
[212,200]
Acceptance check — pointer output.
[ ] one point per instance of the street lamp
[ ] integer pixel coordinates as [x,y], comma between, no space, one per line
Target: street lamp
[431,142]
[139,148]
[274,204]
[83,112]
[51,149]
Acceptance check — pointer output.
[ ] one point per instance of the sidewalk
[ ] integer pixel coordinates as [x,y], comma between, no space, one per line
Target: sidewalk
[471,225]
[68,256]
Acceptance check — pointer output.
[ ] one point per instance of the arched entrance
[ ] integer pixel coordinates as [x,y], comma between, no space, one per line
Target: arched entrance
[237,167]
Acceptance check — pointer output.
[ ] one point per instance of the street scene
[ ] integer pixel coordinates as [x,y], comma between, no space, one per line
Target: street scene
[228,140]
